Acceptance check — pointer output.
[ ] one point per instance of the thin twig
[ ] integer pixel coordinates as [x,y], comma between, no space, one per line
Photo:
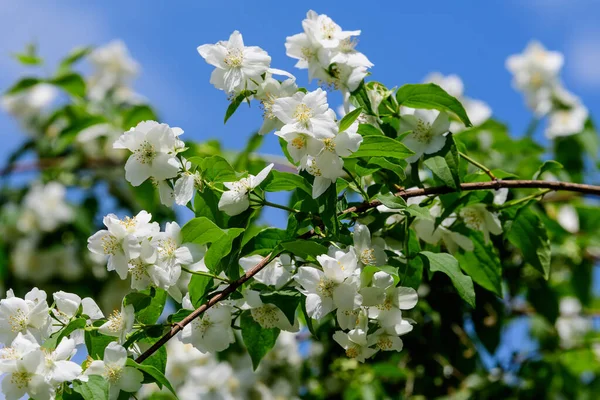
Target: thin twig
[482,167]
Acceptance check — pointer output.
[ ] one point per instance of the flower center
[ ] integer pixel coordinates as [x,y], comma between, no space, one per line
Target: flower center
[348,45]
[303,113]
[325,287]
[115,321]
[352,352]
[299,142]
[18,321]
[128,222]
[422,132]
[265,315]
[21,379]
[312,168]
[328,29]
[384,343]
[203,325]
[110,245]
[138,269]
[472,218]
[8,353]
[234,58]
[537,80]
[267,106]
[308,53]
[329,145]
[367,257]
[167,247]
[386,305]
[113,374]
[146,153]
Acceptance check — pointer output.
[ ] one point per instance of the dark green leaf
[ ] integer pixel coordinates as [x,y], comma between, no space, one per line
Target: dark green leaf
[258,341]
[547,166]
[286,300]
[528,233]
[285,181]
[221,247]
[199,287]
[71,83]
[235,103]
[157,376]
[136,114]
[482,264]
[23,84]
[305,249]
[447,264]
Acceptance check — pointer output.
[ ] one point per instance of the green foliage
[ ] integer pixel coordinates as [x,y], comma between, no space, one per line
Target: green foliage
[527,233]
[382,146]
[447,264]
[431,96]
[258,340]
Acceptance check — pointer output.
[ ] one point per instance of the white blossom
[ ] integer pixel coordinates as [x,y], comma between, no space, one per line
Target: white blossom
[566,122]
[368,252]
[113,69]
[212,331]
[30,102]
[45,208]
[120,323]
[276,273]
[26,316]
[28,377]
[154,147]
[427,131]
[236,200]
[113,369]
[385,340]
[265,314]
[571,325]
[269,90]
[355,344]
[568,218]
[236,65]
[477,216]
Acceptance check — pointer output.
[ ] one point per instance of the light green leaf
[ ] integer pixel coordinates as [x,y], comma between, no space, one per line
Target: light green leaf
[349,119]
[447,264]
[417,211]
[201,230]
[198,288]
[221,247]
[547,166]
[136,114]
[215,169]
[440,169]
[235,103]
[258,341]
[369,130]
[482,264]
[391,201]
[382,146]
[96,388]
[23,84]
[306,249]
[431,96]
[71,83]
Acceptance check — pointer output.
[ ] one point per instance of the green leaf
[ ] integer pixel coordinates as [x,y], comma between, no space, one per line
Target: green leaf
[391,201]
[286,300]
[384,163]
[156,375]
[266,240]
[22,84]
[369,130]
[28,59]
[285,181]
[139,300]
[547,166]
[198,288]
[258,341]
[528,233]
[482,264]
[55,339]
[418,211]
[96,342]
[74,56]
[305,249]
[349,119]
[440,169]
[150,314]
[136,114]
[179,316]
[220,248]
[382,146]
[215,169]
[431,96]
[235,103]
[96,388]
[447,264]
[71,83]
[201,230]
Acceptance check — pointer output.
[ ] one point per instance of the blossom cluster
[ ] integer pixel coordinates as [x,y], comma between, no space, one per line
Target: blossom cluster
[536,73]
[34,366]
[136,248]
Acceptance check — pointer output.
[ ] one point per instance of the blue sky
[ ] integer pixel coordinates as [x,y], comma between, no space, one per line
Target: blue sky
[405,41]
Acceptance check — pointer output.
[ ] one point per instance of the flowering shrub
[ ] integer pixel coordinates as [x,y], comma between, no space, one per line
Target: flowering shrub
[417,230]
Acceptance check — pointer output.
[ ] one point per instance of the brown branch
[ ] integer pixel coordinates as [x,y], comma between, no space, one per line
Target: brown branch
[494,185]
[498,184]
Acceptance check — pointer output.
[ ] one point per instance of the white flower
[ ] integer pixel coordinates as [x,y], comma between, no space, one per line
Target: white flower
[355,344]
[145,271]
[352,319]
[154,147]
[67,307]
[236,65]
[121,241]
[185,187]
[215,381]
[385,340]
[46,204]
[28,315]
[566,122]
[113,66]
[334,287]
[267,315]
[307,113]
[386,302]
[571,325]
[29,102]
[113,369]
[212,331]
[478,217]
[170,249]
[236,200]
[119,323]
[58,367]
[568,218]
[9,355]
[28,377]
[368,253]
[535,67]
[276,273]
[325,31]
[428,232]
[428,129]
[302,48]
[270,90]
